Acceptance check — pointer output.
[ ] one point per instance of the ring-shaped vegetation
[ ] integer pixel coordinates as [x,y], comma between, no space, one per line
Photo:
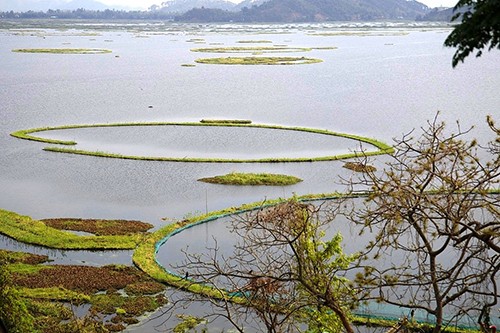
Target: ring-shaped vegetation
[145,255]
[64,51]
[258,61]
[251,49]
[27,134]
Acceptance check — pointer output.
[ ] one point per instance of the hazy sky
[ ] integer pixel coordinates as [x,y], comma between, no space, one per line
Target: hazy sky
[144,4]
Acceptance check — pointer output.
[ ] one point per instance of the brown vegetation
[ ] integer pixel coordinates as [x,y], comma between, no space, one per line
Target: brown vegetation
[99,227]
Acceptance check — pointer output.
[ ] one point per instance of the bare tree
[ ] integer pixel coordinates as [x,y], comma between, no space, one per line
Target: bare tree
[434,213]
[281,271]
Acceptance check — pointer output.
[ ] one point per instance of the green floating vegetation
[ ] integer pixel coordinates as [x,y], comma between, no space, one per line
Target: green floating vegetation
[225,121]
[258,61]
[188,65]
[27,230]
[325,48]
[64,51]
[359,167]
[253,41]
[12,257]
[116,294]
[196,40]
[27,134]
[237,178]
[251,49]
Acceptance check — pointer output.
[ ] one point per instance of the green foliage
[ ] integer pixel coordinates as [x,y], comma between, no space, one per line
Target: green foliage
[322,320]
[479,28]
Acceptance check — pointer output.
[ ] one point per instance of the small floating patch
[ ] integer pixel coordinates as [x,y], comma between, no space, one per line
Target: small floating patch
[63,51]
[237,178]
[359,167]
[225,121]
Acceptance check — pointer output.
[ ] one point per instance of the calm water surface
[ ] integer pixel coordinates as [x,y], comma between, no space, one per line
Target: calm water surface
[378,84]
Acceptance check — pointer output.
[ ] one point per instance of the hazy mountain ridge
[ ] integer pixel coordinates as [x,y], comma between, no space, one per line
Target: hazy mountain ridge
[313,11]
[440,14]
[250,10]
[182,6]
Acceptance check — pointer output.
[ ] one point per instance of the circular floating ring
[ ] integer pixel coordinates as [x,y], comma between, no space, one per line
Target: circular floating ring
[145,255]
[63,51]
[258,61]
[27,134]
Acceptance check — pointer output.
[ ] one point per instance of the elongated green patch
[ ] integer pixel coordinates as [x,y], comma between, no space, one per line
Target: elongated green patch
[237,178]
[258,61]
[63,51]
[251,49]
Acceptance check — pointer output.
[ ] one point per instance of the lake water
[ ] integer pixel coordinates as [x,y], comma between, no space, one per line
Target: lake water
[381,81]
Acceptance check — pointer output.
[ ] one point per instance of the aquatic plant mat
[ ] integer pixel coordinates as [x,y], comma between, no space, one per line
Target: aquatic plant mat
[258,61]
[99,227]
[109,297]
[108,234]
[251,49]
[238,178]
[28,134]
[63,51]
[359,167]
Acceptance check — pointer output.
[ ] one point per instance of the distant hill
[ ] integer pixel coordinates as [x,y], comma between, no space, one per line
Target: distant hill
[313,11]
[438,14]
[182,6]
[87,4]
